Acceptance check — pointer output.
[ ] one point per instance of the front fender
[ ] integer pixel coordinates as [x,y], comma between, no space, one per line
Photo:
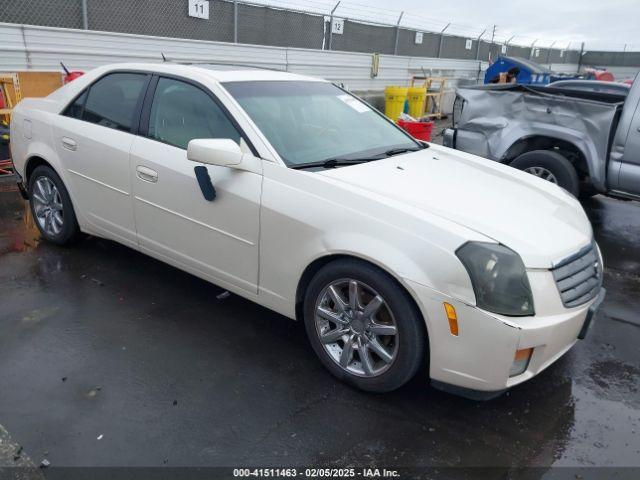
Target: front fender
[421,263]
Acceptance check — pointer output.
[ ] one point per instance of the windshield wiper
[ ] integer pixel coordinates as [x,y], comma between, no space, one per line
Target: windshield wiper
[332,163]
[340,162]
[398,151]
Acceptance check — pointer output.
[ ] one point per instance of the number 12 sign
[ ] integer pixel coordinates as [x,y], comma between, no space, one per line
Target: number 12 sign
[199,9]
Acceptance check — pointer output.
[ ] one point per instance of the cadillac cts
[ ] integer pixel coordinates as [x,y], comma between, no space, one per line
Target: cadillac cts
[293,193]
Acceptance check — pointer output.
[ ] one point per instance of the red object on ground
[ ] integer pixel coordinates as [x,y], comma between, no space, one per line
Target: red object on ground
[71,76]
[419,130]
[6,167]
[603,76]
[2,100]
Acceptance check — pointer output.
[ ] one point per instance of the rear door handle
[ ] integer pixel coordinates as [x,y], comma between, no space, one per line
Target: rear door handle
[146,174]
[69,143]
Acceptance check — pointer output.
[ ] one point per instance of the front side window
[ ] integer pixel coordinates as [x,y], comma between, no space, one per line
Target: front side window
[112,100]
[181,112]
[309,122]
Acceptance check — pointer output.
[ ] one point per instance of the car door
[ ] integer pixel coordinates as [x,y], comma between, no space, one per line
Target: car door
[217,239]
[93,137]
[629,179]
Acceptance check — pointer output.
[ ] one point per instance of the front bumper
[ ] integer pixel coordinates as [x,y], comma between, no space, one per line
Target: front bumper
[476,363]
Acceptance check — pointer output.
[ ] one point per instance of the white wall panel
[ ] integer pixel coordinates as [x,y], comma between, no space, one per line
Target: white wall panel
[43,48]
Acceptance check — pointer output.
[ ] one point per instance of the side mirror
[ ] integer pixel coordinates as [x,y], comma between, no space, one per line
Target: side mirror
[222,152]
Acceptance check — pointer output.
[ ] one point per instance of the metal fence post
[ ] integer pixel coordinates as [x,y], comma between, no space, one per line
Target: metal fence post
[580,57]
[549,51]
[85,15]
[395,47]
[235,21]
[331,25]
[478,46]
[531,50]
[441,39]
[493,36]
[567,52]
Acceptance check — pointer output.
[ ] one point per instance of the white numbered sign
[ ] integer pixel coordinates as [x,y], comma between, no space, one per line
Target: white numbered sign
[418,38]
[337,26]
[468,44]
[199,9]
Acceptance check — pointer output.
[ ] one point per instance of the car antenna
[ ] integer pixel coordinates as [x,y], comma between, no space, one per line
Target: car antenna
[164,59]
[66,70]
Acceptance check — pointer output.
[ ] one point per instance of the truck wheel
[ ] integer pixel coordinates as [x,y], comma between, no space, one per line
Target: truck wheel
[550,166]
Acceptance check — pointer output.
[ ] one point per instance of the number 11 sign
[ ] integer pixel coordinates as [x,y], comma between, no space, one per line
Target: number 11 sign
[199,9]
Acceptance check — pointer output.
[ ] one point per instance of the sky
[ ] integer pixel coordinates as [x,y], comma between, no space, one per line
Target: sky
[601,24]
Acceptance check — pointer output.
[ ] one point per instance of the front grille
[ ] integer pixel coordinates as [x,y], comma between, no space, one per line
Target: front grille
[579,277]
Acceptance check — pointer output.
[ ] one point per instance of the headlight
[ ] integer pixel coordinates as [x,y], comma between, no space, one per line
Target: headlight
[498,277]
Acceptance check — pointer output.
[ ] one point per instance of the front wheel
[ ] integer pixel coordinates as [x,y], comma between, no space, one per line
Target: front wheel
[51,206]
[363,326]
[550,166]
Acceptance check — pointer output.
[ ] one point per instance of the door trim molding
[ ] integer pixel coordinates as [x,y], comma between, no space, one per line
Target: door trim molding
[99,182]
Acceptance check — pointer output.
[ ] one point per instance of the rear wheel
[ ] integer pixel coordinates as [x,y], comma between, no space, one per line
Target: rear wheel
[363,326]
[51,207]
[550,166]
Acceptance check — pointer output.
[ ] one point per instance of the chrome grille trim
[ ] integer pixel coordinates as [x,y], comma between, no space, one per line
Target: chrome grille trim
[579,277]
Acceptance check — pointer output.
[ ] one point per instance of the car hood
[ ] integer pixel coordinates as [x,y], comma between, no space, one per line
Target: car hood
[535,218]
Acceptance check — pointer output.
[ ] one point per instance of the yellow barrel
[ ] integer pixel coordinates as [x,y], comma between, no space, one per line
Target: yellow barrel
[417,96]
[394,98]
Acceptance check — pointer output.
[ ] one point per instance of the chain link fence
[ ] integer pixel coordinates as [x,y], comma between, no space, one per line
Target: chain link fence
[251,23]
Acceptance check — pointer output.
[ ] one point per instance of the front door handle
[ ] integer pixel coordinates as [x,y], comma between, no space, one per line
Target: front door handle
[69,144]
[146,174]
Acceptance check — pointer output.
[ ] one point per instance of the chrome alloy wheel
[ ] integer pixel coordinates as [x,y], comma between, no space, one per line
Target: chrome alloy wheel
[47,206]
[543,173]
[356,328]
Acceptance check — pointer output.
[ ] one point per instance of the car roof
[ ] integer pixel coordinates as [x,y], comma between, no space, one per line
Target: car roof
[594,83]
[224,72]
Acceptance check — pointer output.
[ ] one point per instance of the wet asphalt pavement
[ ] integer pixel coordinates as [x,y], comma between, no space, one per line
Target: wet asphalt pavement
[111,358]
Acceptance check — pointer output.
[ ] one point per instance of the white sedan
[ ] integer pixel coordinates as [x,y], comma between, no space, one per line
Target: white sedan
[295,194]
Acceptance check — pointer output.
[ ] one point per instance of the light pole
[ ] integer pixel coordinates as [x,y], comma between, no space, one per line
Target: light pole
[478,46]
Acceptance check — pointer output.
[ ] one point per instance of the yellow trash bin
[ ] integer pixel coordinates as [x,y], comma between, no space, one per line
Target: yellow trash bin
[417,96]
[394,98]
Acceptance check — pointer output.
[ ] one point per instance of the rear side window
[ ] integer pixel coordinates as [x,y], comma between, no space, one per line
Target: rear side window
[112,100]
[181,112]
[75,109]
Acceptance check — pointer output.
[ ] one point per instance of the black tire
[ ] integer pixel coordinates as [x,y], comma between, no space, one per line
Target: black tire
[553,162]
[69,232]
[411,332]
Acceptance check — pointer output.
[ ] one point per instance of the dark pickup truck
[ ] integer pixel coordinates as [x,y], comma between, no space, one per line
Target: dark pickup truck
[586,142]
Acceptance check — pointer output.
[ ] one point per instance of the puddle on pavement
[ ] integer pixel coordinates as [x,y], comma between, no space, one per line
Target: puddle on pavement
[18,231]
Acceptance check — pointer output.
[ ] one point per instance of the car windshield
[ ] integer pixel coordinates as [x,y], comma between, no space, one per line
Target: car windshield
[309,122]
